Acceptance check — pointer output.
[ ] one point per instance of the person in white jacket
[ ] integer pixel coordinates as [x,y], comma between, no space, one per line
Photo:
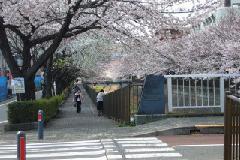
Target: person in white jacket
[100,97]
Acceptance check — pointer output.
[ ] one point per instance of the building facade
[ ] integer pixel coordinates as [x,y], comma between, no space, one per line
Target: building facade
[216,16]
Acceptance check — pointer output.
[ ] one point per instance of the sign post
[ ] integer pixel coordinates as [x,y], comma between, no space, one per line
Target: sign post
[19,86]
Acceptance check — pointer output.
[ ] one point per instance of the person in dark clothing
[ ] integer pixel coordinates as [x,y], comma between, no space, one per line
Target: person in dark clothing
[78,98]
[76,88]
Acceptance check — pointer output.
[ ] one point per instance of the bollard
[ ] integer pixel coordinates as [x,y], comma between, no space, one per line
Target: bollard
[21,145]
[40,124]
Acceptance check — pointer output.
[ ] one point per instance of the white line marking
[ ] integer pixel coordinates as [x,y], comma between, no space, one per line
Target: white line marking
[116,156]
[106,140]
[7,103]
[148,155]
[149,150]
[5,152]
[136,139]
[53,145]
[144,145]
[201,145]
[107,143]
[98,158]
[3,122]
[139,142]
[74,142]
[73,149]
[62,154]
[109,146]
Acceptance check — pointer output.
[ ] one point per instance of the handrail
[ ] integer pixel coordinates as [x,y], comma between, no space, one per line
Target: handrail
[202,75]
[234,98]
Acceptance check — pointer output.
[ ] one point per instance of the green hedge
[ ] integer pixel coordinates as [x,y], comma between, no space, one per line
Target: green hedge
[26,111]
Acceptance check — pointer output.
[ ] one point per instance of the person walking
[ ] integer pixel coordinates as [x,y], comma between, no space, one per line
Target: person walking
[78,99]
[100,96]
[76,88]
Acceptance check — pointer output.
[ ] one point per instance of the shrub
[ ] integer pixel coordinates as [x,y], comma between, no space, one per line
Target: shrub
[26,111]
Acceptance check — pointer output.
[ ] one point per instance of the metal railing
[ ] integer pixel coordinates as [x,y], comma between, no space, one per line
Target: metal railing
[198,90]
[232,129]
[121,104]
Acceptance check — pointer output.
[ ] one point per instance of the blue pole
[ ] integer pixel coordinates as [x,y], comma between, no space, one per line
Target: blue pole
[40,124]
[21,145]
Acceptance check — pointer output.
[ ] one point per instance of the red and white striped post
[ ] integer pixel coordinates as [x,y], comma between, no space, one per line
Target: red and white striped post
[21,145]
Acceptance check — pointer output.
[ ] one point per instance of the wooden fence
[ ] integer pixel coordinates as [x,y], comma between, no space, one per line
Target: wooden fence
[117,105]
[232,129]
[120,104]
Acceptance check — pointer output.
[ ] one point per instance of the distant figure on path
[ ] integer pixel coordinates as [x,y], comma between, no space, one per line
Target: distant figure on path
[100,96]
[78,99]
[76,88]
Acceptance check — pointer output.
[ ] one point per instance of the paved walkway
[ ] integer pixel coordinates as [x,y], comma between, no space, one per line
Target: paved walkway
[70,126]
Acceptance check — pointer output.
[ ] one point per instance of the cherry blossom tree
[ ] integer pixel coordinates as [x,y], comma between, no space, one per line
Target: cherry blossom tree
[90,51]
[34,29]
[214,49]
[47,23]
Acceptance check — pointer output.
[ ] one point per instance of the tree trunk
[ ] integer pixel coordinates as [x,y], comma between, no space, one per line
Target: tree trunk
[58,87]
[227,3]
[48,80]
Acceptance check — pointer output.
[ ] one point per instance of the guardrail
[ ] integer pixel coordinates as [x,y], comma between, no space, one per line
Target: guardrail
[232,128]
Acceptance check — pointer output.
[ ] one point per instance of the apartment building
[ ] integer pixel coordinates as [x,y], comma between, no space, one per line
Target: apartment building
[215,16]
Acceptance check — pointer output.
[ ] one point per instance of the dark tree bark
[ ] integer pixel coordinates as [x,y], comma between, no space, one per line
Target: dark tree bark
[227,3]
[29,89]
[48,79]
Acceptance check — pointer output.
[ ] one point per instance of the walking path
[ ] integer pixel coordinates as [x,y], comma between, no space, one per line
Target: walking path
[71,126]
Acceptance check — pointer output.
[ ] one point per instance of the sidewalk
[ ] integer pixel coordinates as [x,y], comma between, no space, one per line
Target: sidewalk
[87,125]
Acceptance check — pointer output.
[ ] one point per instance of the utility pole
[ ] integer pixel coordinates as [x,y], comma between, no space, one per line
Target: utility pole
[227,3]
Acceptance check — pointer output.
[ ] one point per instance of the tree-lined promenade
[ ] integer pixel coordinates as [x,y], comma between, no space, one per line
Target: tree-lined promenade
[40,31]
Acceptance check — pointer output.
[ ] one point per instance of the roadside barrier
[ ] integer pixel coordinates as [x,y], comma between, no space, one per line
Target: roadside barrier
[40,125]
[21,145]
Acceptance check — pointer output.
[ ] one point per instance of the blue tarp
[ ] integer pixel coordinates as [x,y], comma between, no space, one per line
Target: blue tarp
[38,80]
[152,100]
[3,88]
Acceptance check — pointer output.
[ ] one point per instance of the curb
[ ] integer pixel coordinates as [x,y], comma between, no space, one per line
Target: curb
[146,118]
[197,129]
[20,126]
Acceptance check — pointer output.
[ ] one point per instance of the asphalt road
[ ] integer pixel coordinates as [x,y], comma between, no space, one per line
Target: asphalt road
[197,147]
